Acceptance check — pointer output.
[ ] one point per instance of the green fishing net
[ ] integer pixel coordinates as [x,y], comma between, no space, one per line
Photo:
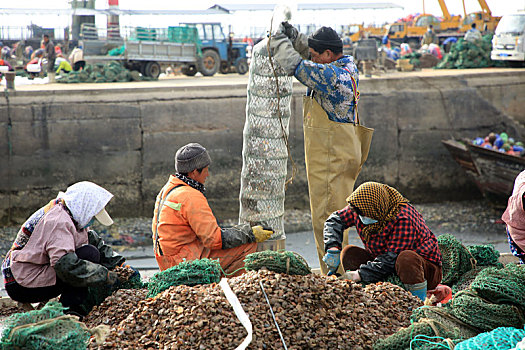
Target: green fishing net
[281,261]
[502,285]
[404,338]
[465,54]
[102,73]
[485,254]
[445,316]
[502,338]
[466,279]
[44,329]
[484,315]
[190,273]
[457,260]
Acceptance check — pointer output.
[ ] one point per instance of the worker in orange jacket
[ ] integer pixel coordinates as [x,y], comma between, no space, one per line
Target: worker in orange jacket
[184,226]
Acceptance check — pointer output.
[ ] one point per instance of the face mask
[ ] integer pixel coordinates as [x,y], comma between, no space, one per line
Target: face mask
[366,220]
[90,223]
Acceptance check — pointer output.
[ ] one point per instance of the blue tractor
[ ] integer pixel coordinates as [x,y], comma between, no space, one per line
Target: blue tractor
[219,53]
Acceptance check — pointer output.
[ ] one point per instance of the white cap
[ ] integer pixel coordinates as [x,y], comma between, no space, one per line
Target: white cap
[104,218]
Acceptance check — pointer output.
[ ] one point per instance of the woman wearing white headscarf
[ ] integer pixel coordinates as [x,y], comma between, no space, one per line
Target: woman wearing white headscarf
[55,253]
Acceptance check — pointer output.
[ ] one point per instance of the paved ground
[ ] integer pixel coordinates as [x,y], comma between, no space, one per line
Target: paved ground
[23,84]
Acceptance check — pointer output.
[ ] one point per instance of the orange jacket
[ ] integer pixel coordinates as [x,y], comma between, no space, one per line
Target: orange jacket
[186,229]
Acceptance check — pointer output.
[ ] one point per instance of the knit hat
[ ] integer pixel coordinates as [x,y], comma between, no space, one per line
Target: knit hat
[325,38]
[190,157]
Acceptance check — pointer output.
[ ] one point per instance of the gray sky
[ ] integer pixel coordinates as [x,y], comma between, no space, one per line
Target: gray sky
[498,7]
[247,22]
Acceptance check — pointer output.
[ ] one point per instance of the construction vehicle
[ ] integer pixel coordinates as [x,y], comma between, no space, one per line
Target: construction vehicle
[508,43]
[483,19]
[218,52]
[411,32]
[147,50]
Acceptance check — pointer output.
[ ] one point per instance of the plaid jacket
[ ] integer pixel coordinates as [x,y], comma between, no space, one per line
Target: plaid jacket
[407,232]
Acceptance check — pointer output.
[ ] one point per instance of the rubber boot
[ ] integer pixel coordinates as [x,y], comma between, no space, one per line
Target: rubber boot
[51,76]
[418,289]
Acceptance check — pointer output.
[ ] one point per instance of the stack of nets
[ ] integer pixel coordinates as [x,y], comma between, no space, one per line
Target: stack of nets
[102,73]
[466,279]
[457,260]
[487,296]
[278,261]
[432,328]
[502,338]
[417,337]
[469,307]
[190,273]
[485,256]
[502,285]
[496,298]
[465,54]
[44,329]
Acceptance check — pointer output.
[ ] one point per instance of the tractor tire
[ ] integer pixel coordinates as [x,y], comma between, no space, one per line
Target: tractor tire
[242,66]
[224,68]
[210,63]
[152,69]
[189,71]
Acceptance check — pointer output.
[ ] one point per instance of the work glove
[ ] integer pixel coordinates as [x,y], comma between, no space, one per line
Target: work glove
[290,31]
[332,259]
[261,233]
[284,54]
[135,271]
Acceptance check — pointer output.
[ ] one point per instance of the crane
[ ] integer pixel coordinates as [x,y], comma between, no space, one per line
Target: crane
[483,19]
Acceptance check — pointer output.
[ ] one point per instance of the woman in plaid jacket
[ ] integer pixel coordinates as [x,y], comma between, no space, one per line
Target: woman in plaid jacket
[395,236]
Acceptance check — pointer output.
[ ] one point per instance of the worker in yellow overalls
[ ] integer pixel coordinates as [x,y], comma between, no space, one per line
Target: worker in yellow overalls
[336,146]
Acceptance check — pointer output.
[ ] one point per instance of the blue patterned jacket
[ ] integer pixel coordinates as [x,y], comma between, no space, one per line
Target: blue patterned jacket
[332,86]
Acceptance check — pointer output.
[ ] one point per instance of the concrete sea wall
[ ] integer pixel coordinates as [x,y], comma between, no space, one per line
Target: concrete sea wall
[125,138]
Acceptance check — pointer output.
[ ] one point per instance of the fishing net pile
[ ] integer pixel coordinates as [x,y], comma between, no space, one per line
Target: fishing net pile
[46,329]
[461,263]
[278,261]
[312,312]
[488,296]
[190,273]
[466,54]
[102,73]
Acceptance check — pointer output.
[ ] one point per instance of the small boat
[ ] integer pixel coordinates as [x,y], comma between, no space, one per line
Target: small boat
[493,172]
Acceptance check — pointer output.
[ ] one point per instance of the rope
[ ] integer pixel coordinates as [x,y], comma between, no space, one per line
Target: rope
[270,58]
[273,315]
[426,339]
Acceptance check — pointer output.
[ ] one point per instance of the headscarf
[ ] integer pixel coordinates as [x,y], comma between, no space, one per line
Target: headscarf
[377,201]
[85,199]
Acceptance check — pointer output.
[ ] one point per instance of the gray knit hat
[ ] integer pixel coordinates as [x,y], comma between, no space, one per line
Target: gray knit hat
[190,157]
